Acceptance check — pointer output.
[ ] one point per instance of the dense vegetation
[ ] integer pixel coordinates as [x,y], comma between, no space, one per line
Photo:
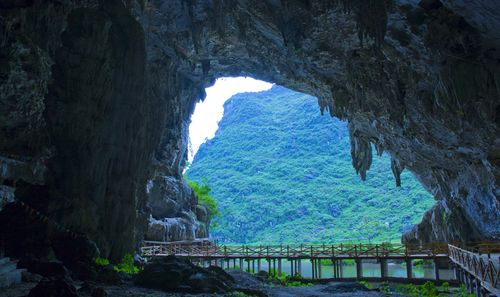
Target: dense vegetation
[202,191]
[281,173]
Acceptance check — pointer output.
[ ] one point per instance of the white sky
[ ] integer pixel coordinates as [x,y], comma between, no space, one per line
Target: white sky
[207,114]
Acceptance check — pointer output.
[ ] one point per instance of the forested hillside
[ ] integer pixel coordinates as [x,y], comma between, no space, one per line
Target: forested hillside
[281,173]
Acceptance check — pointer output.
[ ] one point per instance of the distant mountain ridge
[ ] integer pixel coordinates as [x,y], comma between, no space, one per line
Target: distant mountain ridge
[281,173]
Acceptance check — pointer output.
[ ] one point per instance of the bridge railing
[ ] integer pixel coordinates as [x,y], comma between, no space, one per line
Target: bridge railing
[303,251]
[484,248]
[483,268]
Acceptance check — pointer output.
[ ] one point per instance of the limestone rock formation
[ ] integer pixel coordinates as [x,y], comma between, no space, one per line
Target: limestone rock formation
[175,213]
[96,97]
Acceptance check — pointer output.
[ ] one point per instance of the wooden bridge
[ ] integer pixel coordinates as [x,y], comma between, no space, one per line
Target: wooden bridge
[477,266]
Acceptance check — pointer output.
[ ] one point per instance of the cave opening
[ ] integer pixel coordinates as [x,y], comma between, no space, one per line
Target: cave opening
[96,98]
[281,173]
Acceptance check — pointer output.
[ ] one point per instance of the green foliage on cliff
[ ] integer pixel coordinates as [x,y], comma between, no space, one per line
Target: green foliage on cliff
[202,191]
[127,265]
[281,173]
[99,261]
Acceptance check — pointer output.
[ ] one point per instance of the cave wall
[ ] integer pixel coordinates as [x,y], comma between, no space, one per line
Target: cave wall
[96,98]
[413,78]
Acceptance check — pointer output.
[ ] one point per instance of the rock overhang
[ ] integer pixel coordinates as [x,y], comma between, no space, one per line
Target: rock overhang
[423,85]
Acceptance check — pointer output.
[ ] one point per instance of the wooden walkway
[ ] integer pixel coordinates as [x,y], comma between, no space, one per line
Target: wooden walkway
[477,267]
[204,249]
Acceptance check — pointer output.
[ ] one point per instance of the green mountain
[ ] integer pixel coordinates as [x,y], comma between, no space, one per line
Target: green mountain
[281,173]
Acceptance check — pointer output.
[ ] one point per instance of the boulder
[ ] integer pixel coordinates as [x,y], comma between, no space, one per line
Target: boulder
[180,275]
[221,274]
[50,269]
[53,288]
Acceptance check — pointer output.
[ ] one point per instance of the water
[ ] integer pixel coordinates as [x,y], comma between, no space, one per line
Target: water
[396,268]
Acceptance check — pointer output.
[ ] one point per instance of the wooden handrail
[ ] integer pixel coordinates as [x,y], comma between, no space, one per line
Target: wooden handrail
[352,250]
[480,267]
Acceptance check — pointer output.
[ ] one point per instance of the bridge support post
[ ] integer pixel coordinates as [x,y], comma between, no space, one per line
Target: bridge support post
[478,287]
[279,266]
[383,268]
[408,268]
[319,268]
[468,284]
[457,272]
[258,265]
[461,276]
[436,269]
[359,268]
[299,266]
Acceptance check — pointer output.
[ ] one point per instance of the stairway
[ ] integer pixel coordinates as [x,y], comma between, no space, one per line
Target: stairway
[9,274]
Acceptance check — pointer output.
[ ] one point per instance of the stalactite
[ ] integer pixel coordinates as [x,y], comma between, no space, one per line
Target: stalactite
[378,148]
[361,153]
[371,17]
[397,168]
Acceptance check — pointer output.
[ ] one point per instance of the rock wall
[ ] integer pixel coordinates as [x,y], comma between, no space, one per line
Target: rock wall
[96,97]
[175,213]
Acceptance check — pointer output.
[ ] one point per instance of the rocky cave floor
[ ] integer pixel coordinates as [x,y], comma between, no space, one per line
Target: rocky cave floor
[171,276]
[243,280]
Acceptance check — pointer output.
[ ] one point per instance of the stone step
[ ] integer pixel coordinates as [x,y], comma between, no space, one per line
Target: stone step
[7,267]
[10,278]
[4,260]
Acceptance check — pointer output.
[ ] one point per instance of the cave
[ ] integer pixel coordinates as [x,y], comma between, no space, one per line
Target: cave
[97,95]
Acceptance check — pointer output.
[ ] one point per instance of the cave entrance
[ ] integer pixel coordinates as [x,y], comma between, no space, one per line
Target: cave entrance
[281,173]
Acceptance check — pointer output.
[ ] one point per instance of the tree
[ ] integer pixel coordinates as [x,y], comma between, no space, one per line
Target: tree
[202,191]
